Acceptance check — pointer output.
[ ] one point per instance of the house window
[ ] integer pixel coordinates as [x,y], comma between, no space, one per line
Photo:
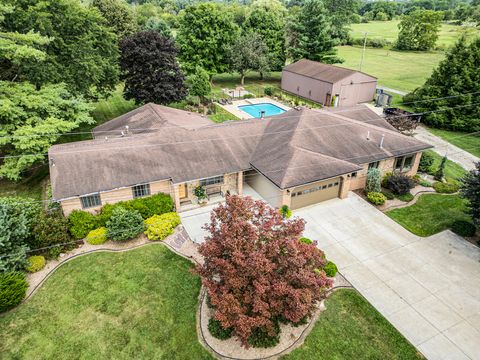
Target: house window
[212,181]
[373,165]
[90,201]
[403,163]
[141,190]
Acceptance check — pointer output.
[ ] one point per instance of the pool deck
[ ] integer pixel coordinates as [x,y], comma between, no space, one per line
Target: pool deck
[233,108]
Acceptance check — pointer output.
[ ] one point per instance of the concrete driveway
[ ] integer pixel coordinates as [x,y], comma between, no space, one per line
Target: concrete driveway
[428,288]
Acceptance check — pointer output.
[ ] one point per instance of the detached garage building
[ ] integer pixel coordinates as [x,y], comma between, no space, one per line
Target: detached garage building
[328,84]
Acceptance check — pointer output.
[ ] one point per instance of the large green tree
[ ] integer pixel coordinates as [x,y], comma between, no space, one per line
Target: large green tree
[249,53]
[119,15]
[32,120]
[419,30]
[456,80]
[268,20]
[199,84]
[150,69]
[470,190]
[83,51]
[310,34]
[342,13]
[205,33]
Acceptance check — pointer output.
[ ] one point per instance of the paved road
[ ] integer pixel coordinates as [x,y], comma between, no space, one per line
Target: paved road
[428,288]
[442,147]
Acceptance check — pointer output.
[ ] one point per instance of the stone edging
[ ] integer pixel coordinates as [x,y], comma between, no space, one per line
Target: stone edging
[413,201]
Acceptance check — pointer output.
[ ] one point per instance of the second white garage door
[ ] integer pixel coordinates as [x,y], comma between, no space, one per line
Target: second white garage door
[315,193]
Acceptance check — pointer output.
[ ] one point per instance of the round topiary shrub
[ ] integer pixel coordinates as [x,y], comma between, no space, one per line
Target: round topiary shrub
[124,224]
[80,223]
[445,188]
[160,226]
[376,198]
[305,240]
[217,331]
[35,263]
[260,338]
[463,228]
[13,287]
[330,269]
[97,236]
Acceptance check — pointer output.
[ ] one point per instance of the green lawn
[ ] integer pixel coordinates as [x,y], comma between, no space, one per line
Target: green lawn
[453,171]
[388,30]
[350,328]
[142,304]
[470,143]
[401,70]
[136,304]
[222,115]
[431,214]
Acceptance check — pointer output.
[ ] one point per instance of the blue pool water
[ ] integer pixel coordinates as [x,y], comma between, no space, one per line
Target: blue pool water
[256,109]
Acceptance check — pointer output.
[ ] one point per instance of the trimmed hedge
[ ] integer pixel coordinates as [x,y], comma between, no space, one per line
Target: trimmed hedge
[158,227]
[445,188]
[376,198]
[330,269]
[97,236]
[81,223]
[13,287]
[463,228]
[124,224]
[217,331]
[36,263]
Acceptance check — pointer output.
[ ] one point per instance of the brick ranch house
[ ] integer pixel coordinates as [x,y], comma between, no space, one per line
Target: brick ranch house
[298,158]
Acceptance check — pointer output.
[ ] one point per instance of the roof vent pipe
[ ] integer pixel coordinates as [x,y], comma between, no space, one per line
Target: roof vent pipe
[126,129]
[368,135]
[381,141]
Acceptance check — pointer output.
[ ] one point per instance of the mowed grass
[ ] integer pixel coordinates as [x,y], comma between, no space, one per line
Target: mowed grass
[465,141]
[453,172]
[388,30]
[351,328]
[400,70]
[139,304]
[431,214]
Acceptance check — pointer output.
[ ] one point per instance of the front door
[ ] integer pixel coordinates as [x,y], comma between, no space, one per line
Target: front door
[182,191]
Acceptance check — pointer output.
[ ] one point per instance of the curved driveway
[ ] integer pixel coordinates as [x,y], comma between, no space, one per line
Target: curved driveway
[428,288]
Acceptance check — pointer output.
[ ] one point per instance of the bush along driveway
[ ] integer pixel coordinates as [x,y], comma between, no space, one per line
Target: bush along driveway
[428,288]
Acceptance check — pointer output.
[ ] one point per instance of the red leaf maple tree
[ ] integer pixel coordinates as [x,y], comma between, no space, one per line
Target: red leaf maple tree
[256,270]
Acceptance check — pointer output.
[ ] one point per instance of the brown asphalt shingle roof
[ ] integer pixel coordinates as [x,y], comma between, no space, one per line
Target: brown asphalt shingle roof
[297,147]
[321,71]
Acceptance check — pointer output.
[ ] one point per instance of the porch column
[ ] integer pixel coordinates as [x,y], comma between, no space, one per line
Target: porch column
[240,183]
[345,186]
[176,197]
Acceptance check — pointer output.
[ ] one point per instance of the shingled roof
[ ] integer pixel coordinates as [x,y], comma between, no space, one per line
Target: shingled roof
[297,147]
[321,71]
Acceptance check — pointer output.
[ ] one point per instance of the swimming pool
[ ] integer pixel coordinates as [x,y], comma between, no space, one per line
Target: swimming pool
[255,110]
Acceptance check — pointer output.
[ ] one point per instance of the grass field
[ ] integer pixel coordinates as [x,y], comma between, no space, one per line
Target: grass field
[431,214]
[470,143]
[142,304]
[400,70]
[388,30]
[453,172]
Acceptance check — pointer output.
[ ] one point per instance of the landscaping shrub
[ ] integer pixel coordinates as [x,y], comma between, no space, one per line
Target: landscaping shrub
[285,211]
[405,197]
[426,162]
[268,91]
[81,222]
[373,181]
[260,338]
[388,194]
[124,224]
[305,240]
[97,236]
[217,331]
[13,287]
[463,228]
[425,183]
[51,230]
[158,227]
[376,198]
[248,96]
[330,269]
[400,184]
[445,188]
[440,173]
[385,179]
[35,263]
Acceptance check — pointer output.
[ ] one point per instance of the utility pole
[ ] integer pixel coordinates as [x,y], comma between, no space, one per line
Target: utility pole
[363,51]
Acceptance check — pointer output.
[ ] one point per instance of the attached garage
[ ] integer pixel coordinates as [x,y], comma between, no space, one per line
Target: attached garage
[314,193]
[264,187]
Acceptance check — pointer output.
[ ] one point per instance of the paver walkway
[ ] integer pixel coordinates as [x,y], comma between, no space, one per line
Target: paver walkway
[442,147]
[428,288]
